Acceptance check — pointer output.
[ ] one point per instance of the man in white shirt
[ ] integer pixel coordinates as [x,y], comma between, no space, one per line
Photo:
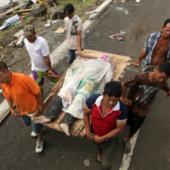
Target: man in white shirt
[38,51]
[73,32]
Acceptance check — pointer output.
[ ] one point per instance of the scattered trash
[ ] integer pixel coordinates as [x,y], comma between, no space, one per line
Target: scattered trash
[120,36]
[86,162]
[126,12]
[19,33]
[122,1]
[20,41]
[48,24]
[2,57]
[10,21]
[60,30]
[122,9]
[119,8]
[54,21]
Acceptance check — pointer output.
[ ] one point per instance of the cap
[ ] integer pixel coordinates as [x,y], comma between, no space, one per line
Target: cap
[29,30]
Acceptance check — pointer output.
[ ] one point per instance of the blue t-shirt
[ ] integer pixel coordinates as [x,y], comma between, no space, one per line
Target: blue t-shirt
[124,112]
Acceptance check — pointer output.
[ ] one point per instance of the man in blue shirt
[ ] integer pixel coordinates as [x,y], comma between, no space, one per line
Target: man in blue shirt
[156,50]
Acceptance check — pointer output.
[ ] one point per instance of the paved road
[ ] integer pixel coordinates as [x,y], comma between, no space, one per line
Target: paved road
[63,153]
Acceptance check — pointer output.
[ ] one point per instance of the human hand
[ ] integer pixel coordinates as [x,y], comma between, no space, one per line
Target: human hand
[14,113]
[98,139]
[52,74]
[136,63]
[167,94]
[90,136]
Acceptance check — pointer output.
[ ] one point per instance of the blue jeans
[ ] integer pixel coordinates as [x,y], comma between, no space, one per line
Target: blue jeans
[71,55]
[37,128]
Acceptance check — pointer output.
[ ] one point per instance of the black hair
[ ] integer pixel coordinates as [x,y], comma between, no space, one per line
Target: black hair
[3,66]
[68,9]
[165,68]
[113,88]
[166,22]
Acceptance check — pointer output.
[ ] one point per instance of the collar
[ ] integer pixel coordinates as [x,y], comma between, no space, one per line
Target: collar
[99,100]
[12,79]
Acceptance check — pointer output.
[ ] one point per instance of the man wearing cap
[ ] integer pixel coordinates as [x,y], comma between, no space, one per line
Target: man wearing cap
[38,51]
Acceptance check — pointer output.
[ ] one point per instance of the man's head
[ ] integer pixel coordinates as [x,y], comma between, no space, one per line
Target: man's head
[4,73]
[29,33]
[165,30]
[112,93]
[161,73]
[69,10]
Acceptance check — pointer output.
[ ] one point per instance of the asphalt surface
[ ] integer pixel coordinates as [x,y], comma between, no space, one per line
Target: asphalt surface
[63,153]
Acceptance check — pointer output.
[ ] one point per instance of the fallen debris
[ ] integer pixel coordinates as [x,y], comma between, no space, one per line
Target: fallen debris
[10,21]
[39,10]
[86,162]
[2,15]
[60,30]
[120,36]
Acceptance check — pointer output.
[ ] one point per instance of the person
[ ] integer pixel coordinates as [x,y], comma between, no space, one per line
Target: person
[156,49]
[22,92]
[105,117]
[73,32]
[38,51]
[138,93]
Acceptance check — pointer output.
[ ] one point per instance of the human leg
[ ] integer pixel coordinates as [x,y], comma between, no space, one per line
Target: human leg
[71,55]
[135,122]
[39,77]
[67,121]
[108,153]
[37,129]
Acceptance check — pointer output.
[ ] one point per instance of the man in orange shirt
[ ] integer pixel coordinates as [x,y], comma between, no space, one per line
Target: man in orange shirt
[24,97]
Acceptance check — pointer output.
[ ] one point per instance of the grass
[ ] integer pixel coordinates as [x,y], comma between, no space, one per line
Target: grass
[80,5]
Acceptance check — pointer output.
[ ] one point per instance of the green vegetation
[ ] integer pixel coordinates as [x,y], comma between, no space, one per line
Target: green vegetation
[80,5]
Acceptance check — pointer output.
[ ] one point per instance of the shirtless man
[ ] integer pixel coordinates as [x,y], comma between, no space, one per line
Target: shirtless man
[157,48]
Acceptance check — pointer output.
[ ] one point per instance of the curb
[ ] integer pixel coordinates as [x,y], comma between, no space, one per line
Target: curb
[59,53]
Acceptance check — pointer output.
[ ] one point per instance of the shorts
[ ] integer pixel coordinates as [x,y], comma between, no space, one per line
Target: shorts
[37,128]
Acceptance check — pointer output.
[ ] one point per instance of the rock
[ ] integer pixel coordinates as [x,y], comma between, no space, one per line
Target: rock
[58,15]
[86,162]
[39,10]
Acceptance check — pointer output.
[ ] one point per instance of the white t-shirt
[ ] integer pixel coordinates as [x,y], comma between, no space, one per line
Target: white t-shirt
[73,26]
[37,51]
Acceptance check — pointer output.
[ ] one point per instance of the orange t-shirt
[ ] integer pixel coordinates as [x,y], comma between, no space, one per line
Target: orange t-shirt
[22,90]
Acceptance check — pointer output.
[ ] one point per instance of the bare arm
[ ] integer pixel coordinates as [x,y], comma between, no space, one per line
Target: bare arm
[79,40]
[140,58]
[86,118]
[12,107]
[48,62]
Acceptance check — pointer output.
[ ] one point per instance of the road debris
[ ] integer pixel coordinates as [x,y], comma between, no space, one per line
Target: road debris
[86,162]
[10,21]
[60,30]
[120,36]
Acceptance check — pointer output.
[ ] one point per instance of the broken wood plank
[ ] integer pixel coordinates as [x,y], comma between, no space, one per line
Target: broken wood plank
[9,11]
